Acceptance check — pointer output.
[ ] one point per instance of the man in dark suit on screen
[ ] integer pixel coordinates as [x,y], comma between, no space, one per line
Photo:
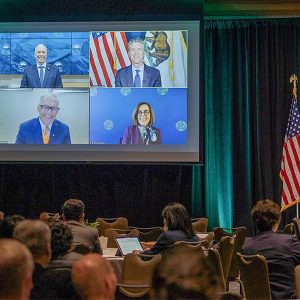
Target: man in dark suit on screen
[44,129]
[41,74]
[138,74]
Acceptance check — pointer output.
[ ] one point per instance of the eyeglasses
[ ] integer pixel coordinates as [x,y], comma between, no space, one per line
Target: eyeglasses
[145,112]
[47,108]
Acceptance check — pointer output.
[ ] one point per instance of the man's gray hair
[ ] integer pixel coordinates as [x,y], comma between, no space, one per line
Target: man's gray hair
[40,45]
[35,234]
[136,40]
[49,96]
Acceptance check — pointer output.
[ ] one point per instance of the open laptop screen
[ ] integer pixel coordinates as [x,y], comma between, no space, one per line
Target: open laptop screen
[128,244]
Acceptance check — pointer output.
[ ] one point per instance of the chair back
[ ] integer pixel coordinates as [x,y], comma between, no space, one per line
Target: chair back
[137,275]
[240,233]
[225,248]
[255,276]
[105,223]
[215,259]
[297,281]
[149,234]
[206,236]
[1,215]
[200,224]
[289,229]
[296,222]
[111,233]
[47,216]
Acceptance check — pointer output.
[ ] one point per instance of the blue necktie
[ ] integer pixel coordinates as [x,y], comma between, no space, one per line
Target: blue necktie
[137,79]
[41,74]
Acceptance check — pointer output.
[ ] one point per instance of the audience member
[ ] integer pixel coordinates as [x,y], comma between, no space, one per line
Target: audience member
[36,235]
[177,227]
[73,215]
[16,267]
[185,274]
[61,242]
[103,282]
[282,251]
[8,225]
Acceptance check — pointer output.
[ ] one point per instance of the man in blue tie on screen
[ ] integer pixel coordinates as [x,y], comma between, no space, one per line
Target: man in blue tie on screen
[44,129]
[41,74]
[138,74]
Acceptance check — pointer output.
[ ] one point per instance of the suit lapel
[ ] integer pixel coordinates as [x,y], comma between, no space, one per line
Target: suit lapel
[146,77]
[129,76]
[53,132]
[46,75]
[37,131]
[37,75]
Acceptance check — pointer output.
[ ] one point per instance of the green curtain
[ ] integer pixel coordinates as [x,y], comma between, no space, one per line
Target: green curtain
[247,65]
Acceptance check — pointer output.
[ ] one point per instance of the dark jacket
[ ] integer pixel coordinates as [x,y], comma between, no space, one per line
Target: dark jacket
[282,252]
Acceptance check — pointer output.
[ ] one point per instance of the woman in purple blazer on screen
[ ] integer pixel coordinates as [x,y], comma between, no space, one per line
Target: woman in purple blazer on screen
[142,131]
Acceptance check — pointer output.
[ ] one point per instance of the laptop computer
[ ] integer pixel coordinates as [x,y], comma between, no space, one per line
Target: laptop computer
[126,244]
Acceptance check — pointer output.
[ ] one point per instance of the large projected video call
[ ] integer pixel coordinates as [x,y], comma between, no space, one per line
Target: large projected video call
[115,91]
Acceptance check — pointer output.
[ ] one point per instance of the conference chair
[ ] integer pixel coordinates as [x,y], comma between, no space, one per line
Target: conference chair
[105,223]
[297,281]
[289,229]
[111,233]
[225,248]
[206,236]
[148,234]
[296,222]
[136,276]
[47,216]
[1,215]
[254,274]
[200,224]
[240,233]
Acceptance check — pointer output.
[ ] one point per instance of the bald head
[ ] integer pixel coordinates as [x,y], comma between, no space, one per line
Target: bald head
[16,267]
[104,281]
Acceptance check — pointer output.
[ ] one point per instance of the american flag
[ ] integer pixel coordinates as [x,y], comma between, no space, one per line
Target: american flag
[108,53]
[290,162]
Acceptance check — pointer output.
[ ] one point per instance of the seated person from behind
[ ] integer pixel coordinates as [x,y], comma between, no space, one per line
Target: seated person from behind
[177,227]
[185,274]
[16,267]
[138,74]
[282,251]
[102,285]
[73,215]
[142,130]
[44,129]
[41,74]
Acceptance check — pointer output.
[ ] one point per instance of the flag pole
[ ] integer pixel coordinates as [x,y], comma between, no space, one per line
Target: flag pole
[294,80]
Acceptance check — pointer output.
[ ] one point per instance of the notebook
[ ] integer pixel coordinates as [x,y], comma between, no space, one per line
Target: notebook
[126,244]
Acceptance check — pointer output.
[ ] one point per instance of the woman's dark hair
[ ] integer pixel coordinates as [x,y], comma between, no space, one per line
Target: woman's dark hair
[185,273]
[61,238]
[177,218]
[265,214]
[134,116]
[8,225]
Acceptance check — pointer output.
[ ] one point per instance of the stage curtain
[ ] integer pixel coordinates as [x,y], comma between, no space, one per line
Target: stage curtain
[247,100]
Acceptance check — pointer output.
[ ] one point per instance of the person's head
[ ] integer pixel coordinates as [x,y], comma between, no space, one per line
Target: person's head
[73,209]
[143,115]
[36,235]
[103,283]
[48,108]
[16,267]
[61,239]
[40,54]
[266,215]
[136,52]
[176,217]
[8,225]
[184,274]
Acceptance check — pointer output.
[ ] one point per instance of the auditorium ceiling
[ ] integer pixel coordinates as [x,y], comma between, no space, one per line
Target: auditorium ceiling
[251,8]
